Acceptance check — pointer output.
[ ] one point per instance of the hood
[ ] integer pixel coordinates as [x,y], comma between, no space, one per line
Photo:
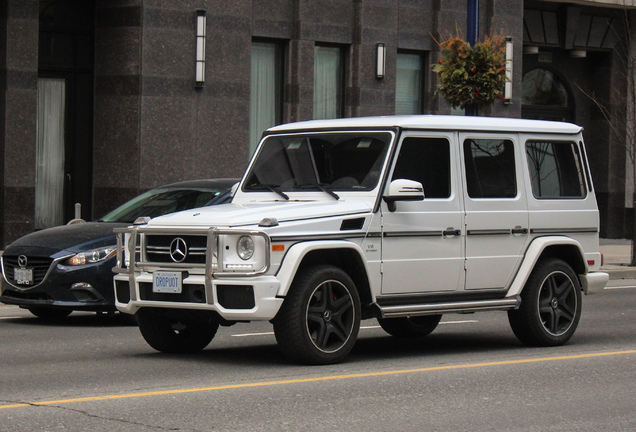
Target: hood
[234,215]
[66,238]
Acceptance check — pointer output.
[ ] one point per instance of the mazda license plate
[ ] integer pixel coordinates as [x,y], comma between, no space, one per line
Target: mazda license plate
[23,276]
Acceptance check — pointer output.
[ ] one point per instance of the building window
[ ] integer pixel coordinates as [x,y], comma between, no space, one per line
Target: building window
[409,84]
[265,89]
[328,82]
[545,97]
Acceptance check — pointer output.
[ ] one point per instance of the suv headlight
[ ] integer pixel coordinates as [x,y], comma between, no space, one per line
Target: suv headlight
[245,247]
[92,256]
[242,252]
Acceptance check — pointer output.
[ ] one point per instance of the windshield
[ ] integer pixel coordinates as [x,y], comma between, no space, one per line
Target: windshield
[158,202]
[344,161]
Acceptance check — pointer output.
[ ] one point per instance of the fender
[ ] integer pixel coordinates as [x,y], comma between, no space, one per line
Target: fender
[296,254]
[532,255]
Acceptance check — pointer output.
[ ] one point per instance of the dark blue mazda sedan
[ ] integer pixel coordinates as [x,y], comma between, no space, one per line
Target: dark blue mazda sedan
[58,270]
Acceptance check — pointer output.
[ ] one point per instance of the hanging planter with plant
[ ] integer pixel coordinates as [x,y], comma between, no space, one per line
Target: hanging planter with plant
[472,75]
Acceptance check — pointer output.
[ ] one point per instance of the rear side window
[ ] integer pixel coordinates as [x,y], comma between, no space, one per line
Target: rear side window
[556,170]
[490,168]
[426,160]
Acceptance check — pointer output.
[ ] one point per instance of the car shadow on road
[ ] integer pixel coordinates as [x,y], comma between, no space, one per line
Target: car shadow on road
[368,349]
[388,347]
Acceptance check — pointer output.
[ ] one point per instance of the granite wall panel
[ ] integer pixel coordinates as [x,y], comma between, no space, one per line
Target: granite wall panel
[19,113]
[222,138]
[18,211]
[117,107]
[273,19]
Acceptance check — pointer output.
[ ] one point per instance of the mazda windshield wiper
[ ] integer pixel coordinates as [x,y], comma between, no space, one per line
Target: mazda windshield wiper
[321,186]
[269,187]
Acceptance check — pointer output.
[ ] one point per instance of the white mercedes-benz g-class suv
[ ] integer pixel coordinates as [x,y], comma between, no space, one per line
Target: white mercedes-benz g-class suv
[402,219]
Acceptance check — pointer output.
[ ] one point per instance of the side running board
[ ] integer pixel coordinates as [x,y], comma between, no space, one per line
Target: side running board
[449,307]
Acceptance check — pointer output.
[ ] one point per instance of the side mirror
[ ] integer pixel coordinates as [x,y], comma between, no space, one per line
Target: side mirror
[234,188]
[403,190]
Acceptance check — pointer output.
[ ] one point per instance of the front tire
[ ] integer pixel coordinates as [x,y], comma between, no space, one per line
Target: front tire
[550,305]
[410,327]
[50,314]
[171,331]
[319,320]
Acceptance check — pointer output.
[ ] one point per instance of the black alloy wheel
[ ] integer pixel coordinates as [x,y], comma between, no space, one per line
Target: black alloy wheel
[320,318]
[550,305]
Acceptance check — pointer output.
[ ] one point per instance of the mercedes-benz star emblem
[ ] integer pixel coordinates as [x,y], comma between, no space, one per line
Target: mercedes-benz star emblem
[22,261]
[178,249]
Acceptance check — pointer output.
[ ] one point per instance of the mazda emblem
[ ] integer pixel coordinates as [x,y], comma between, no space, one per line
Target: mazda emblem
[178,249]
[22,261]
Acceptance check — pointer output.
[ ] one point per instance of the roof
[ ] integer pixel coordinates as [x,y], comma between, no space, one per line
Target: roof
[435,122]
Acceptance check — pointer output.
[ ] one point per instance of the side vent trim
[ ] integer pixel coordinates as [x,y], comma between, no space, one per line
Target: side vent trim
[352,224]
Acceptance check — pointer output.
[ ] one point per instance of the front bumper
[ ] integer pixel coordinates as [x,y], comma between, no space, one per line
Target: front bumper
[9,298]
[241,299]
[87,288]
[209,282]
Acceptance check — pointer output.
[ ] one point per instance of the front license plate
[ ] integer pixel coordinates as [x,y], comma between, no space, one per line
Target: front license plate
[166,282]
[23,276]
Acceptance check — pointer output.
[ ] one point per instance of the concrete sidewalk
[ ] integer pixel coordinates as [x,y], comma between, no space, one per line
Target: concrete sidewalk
[616,257]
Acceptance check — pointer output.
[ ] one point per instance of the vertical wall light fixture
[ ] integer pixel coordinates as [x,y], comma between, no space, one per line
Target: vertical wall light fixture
[200,64]
[380,67]
[508,84]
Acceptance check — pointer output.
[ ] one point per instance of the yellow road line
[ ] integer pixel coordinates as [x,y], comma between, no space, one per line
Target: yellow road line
[316,379]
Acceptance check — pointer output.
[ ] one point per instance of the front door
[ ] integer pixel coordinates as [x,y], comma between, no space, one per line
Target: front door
[422,242]
[496,209]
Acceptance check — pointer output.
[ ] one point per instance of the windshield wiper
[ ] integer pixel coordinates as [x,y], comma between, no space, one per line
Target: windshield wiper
[269,187]
[321,186]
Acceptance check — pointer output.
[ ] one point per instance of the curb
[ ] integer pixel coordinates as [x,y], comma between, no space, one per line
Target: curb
[619,272]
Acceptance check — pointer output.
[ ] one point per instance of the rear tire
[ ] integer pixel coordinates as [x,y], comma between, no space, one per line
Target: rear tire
[319,320]
[171,331]
[550,305]
[410,327]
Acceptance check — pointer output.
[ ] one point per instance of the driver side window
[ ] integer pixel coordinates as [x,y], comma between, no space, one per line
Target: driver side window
[426,160]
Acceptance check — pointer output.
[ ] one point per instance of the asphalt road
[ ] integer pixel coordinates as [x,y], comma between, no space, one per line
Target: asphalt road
[97,373]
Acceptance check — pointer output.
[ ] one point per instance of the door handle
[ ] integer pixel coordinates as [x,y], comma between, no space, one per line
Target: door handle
[449,232]
[519,230]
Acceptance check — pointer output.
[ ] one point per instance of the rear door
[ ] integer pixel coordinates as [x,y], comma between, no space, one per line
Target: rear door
[496,208]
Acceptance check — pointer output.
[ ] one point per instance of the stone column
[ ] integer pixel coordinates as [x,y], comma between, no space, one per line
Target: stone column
[18,116]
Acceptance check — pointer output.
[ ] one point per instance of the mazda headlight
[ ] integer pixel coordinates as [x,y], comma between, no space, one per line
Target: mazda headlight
[245,247]
[92,256]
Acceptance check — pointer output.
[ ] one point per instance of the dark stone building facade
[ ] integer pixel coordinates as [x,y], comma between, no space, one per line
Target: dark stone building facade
[112,82]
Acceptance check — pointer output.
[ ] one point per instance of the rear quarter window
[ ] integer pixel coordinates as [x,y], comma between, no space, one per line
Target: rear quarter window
[556,170]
